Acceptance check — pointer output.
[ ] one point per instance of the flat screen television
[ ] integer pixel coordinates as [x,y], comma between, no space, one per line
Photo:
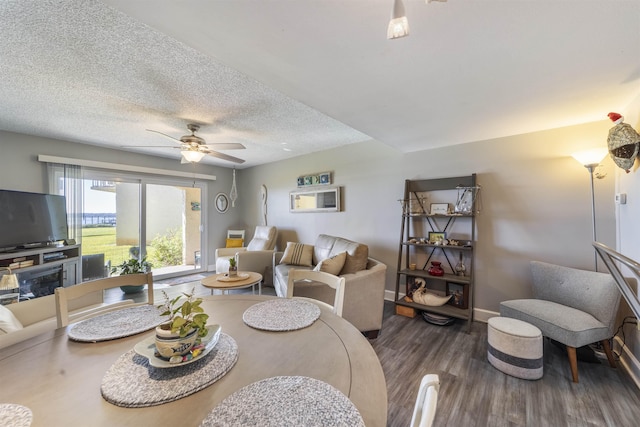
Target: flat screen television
[31,219]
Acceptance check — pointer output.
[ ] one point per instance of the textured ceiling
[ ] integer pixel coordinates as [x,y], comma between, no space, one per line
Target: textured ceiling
[309,75]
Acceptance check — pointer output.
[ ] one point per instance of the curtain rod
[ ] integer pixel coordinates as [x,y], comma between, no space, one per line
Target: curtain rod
[120,167]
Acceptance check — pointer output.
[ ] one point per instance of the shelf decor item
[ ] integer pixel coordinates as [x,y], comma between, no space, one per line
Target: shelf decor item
[421,296]
[459,295]
[9,288]
[460,267]
[466,199]
[439,209]
[436,269]
[436,237]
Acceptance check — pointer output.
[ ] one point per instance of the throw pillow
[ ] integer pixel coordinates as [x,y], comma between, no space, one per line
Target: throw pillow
[8,322]
[235,243]
[332,265]
[297,254]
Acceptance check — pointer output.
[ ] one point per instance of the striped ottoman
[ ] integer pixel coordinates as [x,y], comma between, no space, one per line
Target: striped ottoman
[515,347]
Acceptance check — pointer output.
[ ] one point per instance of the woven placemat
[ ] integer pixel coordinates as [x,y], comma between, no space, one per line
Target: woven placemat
[285,401]
[132,383]
[116,324]
[14,415]
[281,314]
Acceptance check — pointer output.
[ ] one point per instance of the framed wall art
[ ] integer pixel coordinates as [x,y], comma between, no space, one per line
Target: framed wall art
[460,294]
[322,178]
[436,237]
[439,209]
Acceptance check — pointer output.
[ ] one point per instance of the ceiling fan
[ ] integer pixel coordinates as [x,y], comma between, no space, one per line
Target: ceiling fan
[193,148]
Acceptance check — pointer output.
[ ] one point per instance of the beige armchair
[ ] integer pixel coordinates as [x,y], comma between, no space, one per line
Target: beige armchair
[257,256]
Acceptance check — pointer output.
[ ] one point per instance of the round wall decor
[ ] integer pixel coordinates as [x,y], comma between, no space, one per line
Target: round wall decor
[222,202]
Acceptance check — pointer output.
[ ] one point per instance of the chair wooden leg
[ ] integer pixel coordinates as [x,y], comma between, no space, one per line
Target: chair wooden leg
[607,351]
[573,362]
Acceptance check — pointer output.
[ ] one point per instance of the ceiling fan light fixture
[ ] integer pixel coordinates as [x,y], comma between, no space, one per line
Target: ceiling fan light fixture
[398,25]
[192,155]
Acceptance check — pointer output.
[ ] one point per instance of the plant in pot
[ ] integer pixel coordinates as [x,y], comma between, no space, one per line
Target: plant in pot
[132,266]
[233,269]
[187,323]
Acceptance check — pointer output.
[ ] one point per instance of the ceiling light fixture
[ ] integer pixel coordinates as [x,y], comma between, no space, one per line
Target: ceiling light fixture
[398,25]
[192,155]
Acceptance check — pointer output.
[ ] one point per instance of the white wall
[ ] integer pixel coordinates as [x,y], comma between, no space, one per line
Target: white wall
[629,231]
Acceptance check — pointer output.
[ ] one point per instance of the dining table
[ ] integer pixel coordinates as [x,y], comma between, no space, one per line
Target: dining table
[60,379]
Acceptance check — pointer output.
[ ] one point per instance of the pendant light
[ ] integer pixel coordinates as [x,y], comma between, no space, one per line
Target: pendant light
[398,25]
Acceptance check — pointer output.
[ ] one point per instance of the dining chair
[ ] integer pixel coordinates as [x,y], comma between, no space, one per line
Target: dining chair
[424,410]
[91,294]
[322,278]
[235,238]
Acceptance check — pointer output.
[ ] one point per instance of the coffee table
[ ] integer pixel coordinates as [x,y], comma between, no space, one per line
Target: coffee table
[224,283]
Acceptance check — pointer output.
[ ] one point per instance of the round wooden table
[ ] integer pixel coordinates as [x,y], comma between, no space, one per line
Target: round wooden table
[224,283]
[59,379]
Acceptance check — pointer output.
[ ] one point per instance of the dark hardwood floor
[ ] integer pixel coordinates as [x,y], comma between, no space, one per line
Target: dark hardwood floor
[472,392]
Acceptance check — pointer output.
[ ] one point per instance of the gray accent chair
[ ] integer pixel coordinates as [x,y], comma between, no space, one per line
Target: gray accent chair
[574,307]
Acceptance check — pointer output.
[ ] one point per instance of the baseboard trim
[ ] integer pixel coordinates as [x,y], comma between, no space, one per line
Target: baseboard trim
[479,314]
[628,360]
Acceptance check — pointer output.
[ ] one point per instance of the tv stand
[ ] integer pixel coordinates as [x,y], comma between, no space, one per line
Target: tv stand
[31,261]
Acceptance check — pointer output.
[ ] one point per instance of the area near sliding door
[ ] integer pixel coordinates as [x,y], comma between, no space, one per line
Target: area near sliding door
[131,216]
[172,228]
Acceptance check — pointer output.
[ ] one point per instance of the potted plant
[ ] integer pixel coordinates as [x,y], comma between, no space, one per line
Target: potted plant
[186,324]
[132,266]
[233,270]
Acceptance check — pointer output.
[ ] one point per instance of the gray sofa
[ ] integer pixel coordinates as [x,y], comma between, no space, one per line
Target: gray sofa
[364,282]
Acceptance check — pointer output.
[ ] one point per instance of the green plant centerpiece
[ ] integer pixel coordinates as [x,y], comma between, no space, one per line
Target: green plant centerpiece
[132,266]
[233,270]
[187,323]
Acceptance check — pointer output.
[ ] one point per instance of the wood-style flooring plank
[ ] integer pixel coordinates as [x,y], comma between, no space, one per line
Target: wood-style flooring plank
[474,393]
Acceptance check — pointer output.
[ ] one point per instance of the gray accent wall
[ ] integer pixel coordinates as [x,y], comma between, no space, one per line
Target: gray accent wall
[535,198]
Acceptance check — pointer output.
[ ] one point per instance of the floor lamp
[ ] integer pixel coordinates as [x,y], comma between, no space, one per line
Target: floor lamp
[591,159]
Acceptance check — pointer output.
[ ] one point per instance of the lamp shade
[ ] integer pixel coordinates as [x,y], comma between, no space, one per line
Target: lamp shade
[9,281]
[592,156]
[192,156]
[398,25]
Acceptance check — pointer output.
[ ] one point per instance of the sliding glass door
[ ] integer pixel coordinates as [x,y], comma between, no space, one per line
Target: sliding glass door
[110,224]
[173,226]
[127,217]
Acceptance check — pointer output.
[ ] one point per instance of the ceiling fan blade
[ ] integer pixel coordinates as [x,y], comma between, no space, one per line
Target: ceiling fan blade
[224,156]
[148,146]
[164,134]
[224,146]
